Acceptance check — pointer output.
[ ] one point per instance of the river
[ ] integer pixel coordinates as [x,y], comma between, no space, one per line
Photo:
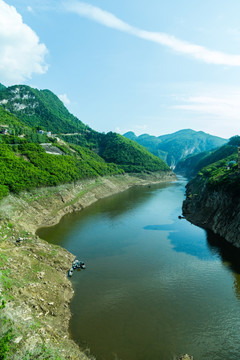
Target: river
[155,286]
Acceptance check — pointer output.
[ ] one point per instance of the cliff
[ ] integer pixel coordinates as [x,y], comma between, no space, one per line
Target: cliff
[214,207]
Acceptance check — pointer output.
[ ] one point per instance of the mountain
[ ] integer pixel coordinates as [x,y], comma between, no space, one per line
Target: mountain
[131,156]
[6,118]
[176,146]
[2,87]
[27,162]
[193,164]
[40,108]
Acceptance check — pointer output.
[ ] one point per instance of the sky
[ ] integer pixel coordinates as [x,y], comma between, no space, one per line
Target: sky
[148,66]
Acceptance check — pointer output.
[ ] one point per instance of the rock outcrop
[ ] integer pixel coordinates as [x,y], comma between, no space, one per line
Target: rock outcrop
[217,209]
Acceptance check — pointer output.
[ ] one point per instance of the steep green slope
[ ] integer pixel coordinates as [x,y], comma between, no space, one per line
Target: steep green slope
[212,197]
[26,166]
[130,156]
[174,147]
[6,118]
[193,164]
[16,129]
[220,175]
[2,87]
[40,108]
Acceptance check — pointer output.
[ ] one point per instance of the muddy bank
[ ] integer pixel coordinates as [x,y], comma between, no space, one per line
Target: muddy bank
[46,206]
[33,281]
[37,294]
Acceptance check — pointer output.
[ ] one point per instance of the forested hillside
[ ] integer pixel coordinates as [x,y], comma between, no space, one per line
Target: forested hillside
[40,108]
[26,166]
[26,118]
[193,164]
[129,155]
[174,147]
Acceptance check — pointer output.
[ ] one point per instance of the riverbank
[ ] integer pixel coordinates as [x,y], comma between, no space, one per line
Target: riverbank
[211,208]
[34,286]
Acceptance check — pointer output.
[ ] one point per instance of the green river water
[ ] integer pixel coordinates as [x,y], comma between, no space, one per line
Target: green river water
[155,286]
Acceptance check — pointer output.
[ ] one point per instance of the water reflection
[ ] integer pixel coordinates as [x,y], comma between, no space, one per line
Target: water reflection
[142,296]
[229,255]
[187,238]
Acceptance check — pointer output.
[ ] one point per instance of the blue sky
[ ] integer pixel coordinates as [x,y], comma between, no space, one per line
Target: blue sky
[147,66]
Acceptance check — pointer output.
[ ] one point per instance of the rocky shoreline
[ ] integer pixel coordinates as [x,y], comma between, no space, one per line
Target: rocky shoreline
[34,289]
[214,209]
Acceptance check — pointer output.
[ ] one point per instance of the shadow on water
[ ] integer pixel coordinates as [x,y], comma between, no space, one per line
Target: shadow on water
[187,238]
[229,254]
[141,296]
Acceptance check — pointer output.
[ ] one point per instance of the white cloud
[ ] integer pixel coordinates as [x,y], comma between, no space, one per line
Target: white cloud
[110,20]
[21,53]
[216,111]
[30,9]
[97,14]
[64,98]
[227,107]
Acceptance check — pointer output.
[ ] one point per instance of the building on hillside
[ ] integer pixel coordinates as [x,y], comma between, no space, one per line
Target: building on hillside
[49,133]
[230,164]
[4,131]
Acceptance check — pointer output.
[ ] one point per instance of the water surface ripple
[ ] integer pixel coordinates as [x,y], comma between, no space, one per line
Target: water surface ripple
[155,286]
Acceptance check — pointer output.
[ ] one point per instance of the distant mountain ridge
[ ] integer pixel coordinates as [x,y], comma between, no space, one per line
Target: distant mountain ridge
[177,146]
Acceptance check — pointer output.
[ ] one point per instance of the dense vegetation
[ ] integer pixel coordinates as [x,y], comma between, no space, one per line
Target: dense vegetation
[129,155]
[16,128]
[26,166]
[40,108]
[219,169]
[6,118]
[220,176]
[115,148]
[193,164]
[87,138]
[174,147]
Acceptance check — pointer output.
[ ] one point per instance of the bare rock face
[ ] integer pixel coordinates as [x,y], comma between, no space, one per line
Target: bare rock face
[185,357]
[214,209]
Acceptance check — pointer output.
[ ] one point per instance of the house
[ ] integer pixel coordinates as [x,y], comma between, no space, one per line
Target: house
[4,131]
[230,164]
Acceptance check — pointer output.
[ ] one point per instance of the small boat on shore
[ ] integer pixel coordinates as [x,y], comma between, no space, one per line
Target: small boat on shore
[70,272]
[77,264]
